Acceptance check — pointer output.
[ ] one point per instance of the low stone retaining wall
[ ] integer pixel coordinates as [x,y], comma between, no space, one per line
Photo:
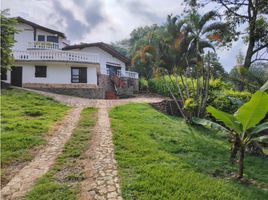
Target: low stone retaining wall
[168,107]
[106,83]
[79,90]
[52,85]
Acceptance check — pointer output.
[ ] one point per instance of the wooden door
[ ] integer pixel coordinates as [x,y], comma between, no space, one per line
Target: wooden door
[16,76]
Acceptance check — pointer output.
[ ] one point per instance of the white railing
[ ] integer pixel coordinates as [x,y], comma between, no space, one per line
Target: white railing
[43,45]
[121,73]
[131,74]
[50,55]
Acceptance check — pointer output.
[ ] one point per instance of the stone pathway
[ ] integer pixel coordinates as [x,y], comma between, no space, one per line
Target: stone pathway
[101,181]
[100,166]
[19,185]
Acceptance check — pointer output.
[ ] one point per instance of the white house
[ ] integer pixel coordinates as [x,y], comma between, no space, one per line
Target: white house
[45,60]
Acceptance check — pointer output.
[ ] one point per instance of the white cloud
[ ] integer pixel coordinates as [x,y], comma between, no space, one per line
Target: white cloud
[103,20]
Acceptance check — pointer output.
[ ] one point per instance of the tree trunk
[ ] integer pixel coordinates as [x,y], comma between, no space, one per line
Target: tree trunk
[234,150]
[249,54]
[241,162]
[252,14]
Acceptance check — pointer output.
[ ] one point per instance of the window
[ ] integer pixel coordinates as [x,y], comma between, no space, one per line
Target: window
[79,75]
[40,71]
[3,74]
[51,38]
[113,69]
[41,38]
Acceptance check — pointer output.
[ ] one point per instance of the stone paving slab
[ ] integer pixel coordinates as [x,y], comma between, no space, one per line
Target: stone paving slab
[100,167]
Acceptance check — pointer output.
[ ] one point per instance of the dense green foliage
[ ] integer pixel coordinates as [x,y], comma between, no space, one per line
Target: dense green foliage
[143,85]
[26,119]
[221,95]
[61,182]
[7,39]
[161,157]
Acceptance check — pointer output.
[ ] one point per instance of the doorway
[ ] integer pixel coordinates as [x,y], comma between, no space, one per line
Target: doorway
[16,76]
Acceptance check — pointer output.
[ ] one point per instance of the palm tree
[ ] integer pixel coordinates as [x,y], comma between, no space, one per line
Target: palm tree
[204,32]
[181,51]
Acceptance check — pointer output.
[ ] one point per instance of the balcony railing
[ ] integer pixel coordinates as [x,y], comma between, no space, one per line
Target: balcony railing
[50,55]
[121,73]
[43,45]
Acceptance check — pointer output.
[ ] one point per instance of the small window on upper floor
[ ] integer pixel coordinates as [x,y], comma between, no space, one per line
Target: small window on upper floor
[51,38]
[41,71]
[40,38]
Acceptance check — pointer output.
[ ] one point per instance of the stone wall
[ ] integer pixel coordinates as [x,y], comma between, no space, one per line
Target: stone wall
[79,90]
[53,85]
[168,107]
[135,83]
[82,89]
[106,83]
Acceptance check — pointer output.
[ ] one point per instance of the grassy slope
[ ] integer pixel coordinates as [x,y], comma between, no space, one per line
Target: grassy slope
[160,157]
[26,118]
[61,182]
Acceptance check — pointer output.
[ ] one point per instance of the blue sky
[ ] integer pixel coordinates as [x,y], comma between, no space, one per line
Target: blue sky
[105,20]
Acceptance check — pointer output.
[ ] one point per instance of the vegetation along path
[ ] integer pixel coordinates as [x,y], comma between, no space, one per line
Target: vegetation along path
[101,180]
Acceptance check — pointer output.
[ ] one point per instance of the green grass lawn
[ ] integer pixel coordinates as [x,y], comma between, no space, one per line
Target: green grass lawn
[161,157]
[25,120]
[62,181]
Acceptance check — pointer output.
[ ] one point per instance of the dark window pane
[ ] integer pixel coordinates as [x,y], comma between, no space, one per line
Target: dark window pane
[113,69]
[83,75]
[79,75]
[41,38]
[40,71]
[52,39]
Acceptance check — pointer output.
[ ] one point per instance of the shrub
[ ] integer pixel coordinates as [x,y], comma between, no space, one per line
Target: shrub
[159,85]
[229,100]
[221,94]
[143,84]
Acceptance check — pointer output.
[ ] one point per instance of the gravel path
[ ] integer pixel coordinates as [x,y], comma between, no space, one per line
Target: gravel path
[101,181]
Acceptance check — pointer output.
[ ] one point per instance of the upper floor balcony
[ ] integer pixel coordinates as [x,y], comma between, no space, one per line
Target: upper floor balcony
[43,45]
[57,56]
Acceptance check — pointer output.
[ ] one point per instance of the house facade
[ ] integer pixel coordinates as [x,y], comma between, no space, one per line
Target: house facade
[45,60]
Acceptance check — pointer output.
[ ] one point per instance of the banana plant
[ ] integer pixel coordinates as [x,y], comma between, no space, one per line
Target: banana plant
[243,125]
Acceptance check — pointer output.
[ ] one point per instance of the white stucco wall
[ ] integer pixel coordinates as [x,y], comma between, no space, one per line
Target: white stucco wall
[105,57]
[56,73]
[26,35]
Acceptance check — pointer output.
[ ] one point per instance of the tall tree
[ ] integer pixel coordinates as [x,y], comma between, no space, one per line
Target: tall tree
[181,52]
[253,14]
[216,68]
[7,39]
[122,46]
[142,49]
